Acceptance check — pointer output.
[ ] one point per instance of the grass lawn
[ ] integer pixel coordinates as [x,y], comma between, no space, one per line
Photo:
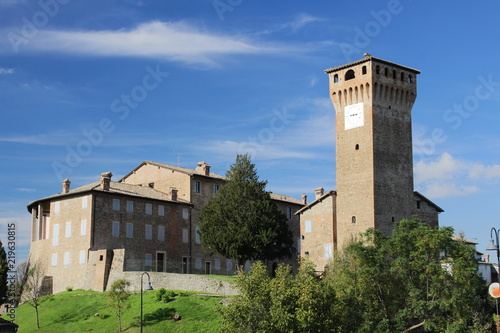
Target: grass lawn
[74,312]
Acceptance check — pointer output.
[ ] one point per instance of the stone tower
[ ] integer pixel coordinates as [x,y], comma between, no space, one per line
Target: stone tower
[373,100]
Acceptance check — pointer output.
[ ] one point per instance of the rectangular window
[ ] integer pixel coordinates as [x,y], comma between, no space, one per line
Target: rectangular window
[217,264]
[149,209]
[197,235]
[130,206]
[68,230]
[57,207]
[82,257]
[84,202]
[216,188]
[197,263]
[308,226]
[66,258]
[54,259]
[185,236]
[148,262]
[116,204]
[197,187]
[161,210]
[298,245]
[328,251]
[185,213]
[229,264]
[149,231]
[83,228]
[289,213]
[115,231]
[55,236]
[418,204]
[130,230]
[161,233]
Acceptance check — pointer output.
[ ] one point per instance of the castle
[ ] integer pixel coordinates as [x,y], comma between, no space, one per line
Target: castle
[147,220]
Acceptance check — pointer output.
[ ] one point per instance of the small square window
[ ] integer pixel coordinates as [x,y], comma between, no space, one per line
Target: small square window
[130,230]
[149,209]
[149,231]
[115,231]
[130,206]
[116,204]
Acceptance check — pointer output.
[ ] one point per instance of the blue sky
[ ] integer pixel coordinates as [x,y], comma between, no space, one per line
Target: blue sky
[93,86]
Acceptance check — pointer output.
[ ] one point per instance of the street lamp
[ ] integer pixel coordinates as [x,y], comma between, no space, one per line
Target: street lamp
[149,287]
[492,246]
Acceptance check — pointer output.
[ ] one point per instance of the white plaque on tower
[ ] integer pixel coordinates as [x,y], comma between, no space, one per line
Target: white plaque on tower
[354,116]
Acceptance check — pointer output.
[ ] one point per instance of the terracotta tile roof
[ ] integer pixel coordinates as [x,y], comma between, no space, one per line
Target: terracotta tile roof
[116,188]
[286,198]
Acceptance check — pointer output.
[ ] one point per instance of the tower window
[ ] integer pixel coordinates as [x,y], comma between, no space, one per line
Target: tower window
[363,70]
[377,69]
[353,219]
[394,74]
[418,204]
[349,75]
[357,147]
[392,219]
[402,76]
[386,71]
[335,78]
[410,79]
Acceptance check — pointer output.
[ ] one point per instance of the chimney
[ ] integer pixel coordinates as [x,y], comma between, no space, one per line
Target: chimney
[105,180]
[319,192]
[65,186]
[486,257]
[173,193]
[304,198]
[203,168]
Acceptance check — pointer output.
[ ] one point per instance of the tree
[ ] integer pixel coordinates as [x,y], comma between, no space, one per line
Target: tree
[34,291]
[118,298]
[242,222]
[4,269]
[287,303]
[417,278]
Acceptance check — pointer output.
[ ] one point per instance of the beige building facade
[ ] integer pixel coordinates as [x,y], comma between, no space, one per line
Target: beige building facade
[146,221]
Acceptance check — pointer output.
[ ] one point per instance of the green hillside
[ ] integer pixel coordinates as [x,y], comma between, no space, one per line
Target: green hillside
[74,312]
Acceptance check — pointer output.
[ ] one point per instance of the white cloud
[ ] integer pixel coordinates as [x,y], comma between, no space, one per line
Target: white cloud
[478,171]
[176,41]
[6,70]
[447,189]
[445,167]
[302,20]
[447,176]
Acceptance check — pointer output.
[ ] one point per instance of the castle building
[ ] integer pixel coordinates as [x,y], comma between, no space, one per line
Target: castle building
[84,238]
[373,99]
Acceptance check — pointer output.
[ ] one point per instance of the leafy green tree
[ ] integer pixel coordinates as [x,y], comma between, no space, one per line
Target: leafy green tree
[286,303]
[118,299]
[242,222]
[419,278]
[4,268]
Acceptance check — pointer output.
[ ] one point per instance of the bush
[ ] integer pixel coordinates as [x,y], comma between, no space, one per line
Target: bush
[69,288]
[163,295]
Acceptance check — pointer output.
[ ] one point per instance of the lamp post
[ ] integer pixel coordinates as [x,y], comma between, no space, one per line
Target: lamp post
[149,287]
[492,246]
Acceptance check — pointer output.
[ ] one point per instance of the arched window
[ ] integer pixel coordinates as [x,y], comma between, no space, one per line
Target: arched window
[363,70]
[402,76]
[410,79]
[386,71]
[394,74]
[353,219]
[357,147]
[335,78]
[349,75]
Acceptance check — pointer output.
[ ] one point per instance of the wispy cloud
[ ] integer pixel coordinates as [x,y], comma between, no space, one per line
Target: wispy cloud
[175,41]
[302,20]
[6,70]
